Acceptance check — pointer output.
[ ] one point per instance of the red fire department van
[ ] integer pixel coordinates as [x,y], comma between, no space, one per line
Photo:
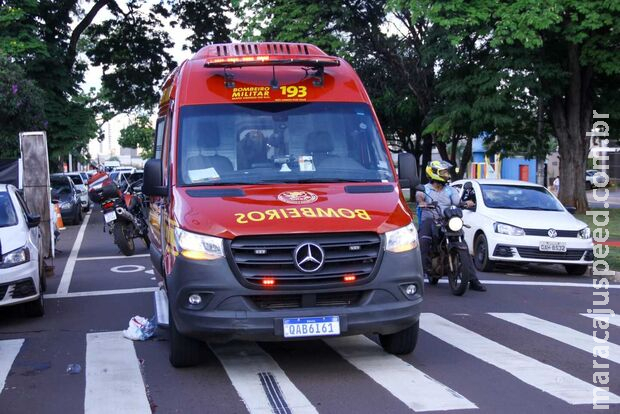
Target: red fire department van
[276,212]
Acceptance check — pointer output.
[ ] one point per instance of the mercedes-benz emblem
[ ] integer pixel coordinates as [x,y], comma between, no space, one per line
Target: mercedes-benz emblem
[552,233]
[309,257]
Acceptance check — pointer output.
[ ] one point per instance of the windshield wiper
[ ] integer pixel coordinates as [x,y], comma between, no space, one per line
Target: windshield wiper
[333,180]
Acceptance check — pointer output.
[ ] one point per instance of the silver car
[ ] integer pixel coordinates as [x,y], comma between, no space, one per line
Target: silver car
[81,185]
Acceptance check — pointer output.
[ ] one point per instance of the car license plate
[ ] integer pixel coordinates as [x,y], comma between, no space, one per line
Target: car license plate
[109,216]
[546,246]
[317,326]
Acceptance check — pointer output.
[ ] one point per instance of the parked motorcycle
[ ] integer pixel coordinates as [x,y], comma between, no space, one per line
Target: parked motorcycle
[124,214]
[449,251]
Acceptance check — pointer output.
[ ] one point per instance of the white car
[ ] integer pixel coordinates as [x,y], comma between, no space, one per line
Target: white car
[595,178]
[22,278]
[521,222]
[81,185]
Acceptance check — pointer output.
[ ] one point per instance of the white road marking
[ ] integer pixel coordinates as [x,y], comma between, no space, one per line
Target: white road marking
[82,259]
[612,319]
[67,273]
[127,269]
[99,293]
[8,352]
[243,362]
[414,388]
[561,333]
[534,283]
[542,376]
[113,379]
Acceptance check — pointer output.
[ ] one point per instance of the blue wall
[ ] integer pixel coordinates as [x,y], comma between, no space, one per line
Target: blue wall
[510,168]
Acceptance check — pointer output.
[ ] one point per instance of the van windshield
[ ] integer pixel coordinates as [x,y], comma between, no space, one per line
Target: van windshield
[280,143]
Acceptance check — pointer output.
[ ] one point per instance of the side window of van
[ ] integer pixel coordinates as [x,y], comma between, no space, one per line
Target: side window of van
[159,136]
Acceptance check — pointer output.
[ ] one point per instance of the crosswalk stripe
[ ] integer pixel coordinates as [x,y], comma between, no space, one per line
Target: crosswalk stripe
[113,380]
[542,376]
[259,380]
[560,333]
[611,319]
[8,352]
[411,386]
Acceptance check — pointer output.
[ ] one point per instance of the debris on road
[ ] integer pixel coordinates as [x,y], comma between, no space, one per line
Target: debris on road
[140,328]
[74,369]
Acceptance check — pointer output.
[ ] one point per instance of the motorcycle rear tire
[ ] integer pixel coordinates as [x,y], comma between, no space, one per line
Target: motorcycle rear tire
[123,239]
[459,276]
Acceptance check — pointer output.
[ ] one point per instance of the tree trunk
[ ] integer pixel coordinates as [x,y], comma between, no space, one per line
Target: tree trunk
[571,116]
[427,152]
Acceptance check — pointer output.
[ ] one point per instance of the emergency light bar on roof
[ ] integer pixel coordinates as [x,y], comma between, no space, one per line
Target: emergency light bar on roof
[240,61]
[266,54]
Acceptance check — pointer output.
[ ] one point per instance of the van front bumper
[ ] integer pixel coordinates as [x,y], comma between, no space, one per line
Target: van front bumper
[231,311]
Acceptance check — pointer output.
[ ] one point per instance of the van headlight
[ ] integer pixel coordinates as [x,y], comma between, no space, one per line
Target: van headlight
[16,257]
[584,233]
[504,228]
[455,224]
[402,239]
[197,246]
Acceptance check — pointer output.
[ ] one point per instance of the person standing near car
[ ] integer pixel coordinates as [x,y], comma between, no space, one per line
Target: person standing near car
[556,185]
[438,190]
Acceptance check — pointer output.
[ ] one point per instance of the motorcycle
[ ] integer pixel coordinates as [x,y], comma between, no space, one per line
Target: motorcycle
[124,214]
[449,252]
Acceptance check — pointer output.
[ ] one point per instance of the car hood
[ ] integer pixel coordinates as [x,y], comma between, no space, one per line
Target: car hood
[535,219]
[12,238]
[276,209]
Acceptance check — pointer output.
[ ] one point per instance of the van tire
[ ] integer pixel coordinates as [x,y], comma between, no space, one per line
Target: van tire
[36,308]
[402,342]
[184,351]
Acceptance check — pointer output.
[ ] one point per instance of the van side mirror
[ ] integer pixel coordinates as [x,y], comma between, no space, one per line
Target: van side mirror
[407,171]
[33,220]
[153,180]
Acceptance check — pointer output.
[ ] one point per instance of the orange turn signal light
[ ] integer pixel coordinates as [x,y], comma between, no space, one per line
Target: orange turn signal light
[350,278]
[268,282]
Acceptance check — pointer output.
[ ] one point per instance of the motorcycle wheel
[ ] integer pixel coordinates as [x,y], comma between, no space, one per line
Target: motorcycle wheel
[462,267]
[123,239]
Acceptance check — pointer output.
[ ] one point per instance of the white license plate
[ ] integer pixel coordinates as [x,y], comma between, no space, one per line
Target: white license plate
[552,246]
[317,326]
[109,216]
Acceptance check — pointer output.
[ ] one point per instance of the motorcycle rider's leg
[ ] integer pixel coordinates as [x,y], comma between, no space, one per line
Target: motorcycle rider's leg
[475,284]
[426,241]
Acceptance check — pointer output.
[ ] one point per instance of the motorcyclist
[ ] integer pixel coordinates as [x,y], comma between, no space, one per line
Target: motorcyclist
[438,190]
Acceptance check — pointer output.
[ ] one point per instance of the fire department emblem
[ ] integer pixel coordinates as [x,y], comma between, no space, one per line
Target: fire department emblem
[297,197]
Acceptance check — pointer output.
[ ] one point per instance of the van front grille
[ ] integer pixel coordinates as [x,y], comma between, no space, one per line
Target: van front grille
[255,258]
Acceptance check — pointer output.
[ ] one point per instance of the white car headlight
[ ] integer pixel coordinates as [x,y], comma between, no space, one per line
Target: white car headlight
[198,246]
[455,224]
[16,257]
[65,206]
[503,228]
[584,233]
[402,239]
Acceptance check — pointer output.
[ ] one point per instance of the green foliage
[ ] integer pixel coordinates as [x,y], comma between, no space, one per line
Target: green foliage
[207,21]
[21,107]
[139,135]
[131,49]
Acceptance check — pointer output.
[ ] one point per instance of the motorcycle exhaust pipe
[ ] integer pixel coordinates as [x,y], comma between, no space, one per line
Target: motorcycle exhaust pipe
[120,211]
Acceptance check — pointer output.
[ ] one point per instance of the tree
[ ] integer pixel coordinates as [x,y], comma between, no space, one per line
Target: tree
[567,49]
[139,135]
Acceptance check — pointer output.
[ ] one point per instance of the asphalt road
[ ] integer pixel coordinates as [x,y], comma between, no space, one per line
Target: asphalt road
[522,347]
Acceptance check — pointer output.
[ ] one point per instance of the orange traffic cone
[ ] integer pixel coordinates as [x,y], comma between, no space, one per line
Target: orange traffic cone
[59,224]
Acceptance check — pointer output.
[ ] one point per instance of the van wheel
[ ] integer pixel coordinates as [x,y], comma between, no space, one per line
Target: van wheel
[184,351]
[481,254]
[576,270]
[36,308]
[402,342]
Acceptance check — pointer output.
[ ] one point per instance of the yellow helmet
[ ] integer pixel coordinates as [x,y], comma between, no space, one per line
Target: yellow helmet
[438,171]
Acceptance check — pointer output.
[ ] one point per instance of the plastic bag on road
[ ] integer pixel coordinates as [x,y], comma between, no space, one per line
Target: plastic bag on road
[140,328]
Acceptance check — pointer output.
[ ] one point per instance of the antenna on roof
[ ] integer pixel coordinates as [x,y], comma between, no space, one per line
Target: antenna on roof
[274,82]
